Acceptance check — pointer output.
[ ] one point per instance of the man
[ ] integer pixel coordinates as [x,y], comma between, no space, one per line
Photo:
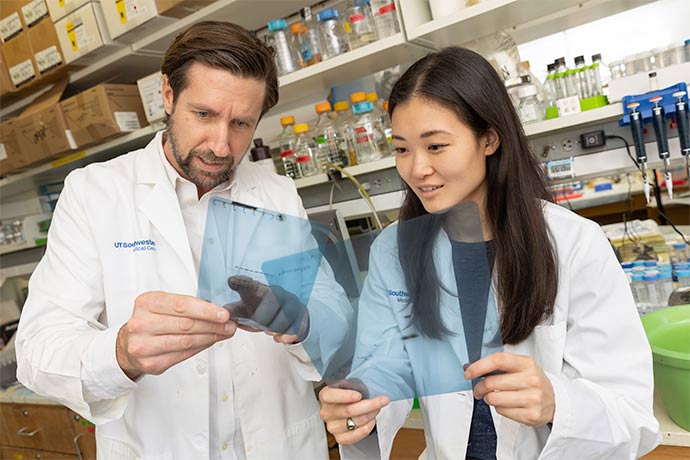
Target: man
[112,327]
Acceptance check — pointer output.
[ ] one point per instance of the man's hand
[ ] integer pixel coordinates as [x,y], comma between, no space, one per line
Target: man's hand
[166,329]
[271,309]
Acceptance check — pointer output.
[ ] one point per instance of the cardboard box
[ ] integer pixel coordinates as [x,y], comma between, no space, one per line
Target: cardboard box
[82,32]
[180,8]
[19,60]
[103,111]
[122,16]
[10,19]
[58,9]
[34,11]
[45,134]
[151,92]
[45,47]
[11,155]
[6,85]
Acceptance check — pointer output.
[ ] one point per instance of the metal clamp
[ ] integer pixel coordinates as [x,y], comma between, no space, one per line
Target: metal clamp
[76,445]
[22,432]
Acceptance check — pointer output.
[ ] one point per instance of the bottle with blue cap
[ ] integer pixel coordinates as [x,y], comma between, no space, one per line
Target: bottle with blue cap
[665,283]
[286,61]
[333,36]
[678,253]
[653,294]
[639,291]
[370,138]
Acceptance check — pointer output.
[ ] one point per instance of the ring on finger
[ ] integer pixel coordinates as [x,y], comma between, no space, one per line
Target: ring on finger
[350,424]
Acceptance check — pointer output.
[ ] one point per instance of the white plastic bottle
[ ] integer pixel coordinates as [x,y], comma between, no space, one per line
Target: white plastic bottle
[285,59]
[530,109]
[650,279]
[665,287]
[385,18]
[639,290]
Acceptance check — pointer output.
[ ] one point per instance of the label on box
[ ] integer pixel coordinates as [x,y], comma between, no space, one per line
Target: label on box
[22,72]
[568,105]
[48,59]
[70,139]
[77,34]
[151,95]
[34,12]
[3,152]
[10,26]
[127,121]
[129,10]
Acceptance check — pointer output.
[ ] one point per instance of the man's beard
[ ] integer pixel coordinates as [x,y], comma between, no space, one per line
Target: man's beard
[200,178]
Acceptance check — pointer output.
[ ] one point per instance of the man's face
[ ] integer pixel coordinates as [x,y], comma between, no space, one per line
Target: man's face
[211,124]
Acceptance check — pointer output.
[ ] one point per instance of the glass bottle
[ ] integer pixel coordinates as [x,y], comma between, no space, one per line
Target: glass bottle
[600,75]
[301,43]
[385,18]
[530,109]
[382,115]
[333,35]
[305,151]
[370,140]
[581,77]
[287,147]
[344,123]
[278,39]
[312,34]
[360,23]
[559,79]
[328,139]
[550,92]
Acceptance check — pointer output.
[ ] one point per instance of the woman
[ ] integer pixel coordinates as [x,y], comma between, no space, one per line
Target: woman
[575,377]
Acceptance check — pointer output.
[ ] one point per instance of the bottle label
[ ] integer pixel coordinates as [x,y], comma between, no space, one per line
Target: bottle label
[387,8]
[362,135]
[356,18]
[528,113]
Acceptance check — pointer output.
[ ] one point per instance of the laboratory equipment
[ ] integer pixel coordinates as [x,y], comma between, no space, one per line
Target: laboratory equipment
[287,147]
[360,23]
[333,35]
[261,155]
[329,141]
[581,78]
[640,149]
[529,109]
[344,123]
[309,53]
[385,18]
[683,128]
[370,139]
[678,253]
[659,122]
[305,151]
[312,34]
[285,60]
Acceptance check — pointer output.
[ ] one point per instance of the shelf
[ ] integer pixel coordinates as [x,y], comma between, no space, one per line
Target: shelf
[354,64]
[58,169]
[384,163]
[601,114]
[15,247]
[529,19]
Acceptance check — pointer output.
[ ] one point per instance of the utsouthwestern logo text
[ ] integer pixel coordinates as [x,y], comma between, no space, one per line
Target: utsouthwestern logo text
[137,245]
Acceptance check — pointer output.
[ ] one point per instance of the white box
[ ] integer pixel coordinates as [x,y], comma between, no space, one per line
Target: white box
[81,33]
[122,16]
[34,11]
[151,92]
[58,9]
[640,84]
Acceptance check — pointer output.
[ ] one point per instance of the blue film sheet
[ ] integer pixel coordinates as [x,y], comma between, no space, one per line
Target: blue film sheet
[288,275]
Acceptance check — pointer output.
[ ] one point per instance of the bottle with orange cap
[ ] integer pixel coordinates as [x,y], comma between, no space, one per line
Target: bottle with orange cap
[287,147]
[328,138]
[344,124]
[307,45]
[382,115]
[305,151]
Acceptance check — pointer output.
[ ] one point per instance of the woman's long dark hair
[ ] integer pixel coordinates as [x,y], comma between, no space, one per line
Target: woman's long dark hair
[525,259]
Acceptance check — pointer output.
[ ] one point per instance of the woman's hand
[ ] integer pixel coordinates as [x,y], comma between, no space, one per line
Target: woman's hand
[337,405]
[521,391]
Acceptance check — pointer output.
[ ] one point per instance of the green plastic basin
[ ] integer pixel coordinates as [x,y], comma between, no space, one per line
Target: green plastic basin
[668,332]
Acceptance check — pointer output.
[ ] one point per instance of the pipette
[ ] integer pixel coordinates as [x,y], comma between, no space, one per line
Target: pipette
[659,123]
[683,131]
[640,151]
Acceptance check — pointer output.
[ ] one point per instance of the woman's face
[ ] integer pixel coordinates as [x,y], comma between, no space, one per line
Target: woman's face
[438,155]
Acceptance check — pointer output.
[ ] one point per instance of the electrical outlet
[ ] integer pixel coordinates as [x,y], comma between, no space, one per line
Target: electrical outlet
[377,183]
[568,145]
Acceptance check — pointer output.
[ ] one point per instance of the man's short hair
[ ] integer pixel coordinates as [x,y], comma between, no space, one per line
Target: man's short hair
[221,45]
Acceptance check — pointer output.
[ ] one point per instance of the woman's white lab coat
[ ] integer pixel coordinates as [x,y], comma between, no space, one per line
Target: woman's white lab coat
[593,350]
[84,289]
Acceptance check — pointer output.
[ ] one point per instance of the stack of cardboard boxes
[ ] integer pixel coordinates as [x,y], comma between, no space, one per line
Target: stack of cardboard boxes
[49,127]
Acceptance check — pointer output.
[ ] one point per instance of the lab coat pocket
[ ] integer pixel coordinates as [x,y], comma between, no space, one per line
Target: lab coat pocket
[113,449]
[549,343]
